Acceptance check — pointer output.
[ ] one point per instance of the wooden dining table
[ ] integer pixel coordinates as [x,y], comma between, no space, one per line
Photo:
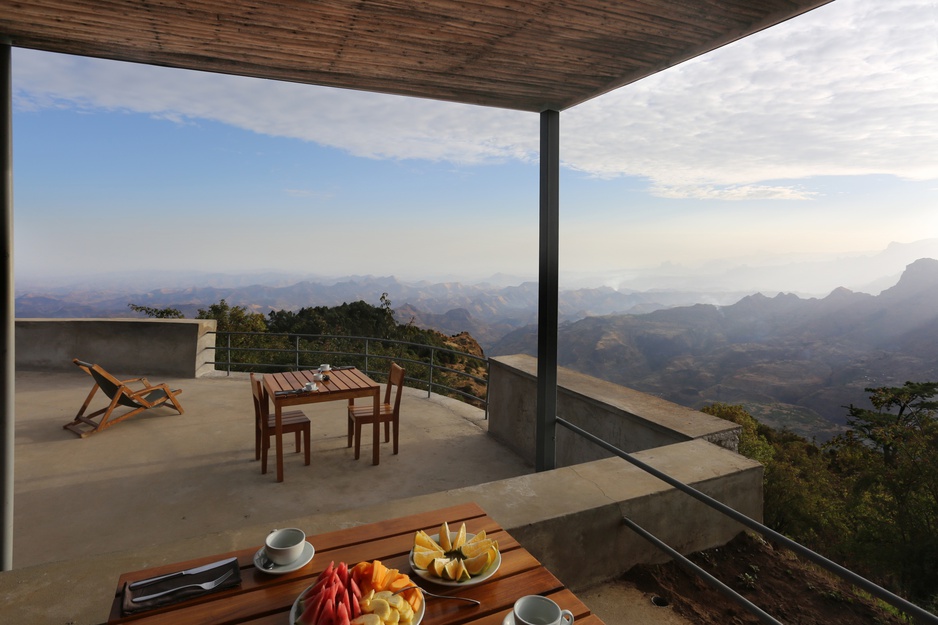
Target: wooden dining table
[265,599]
[287,389]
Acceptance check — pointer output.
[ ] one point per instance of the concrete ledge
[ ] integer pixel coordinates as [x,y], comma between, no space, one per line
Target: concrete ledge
[569,518]
[628,419]
[124,347]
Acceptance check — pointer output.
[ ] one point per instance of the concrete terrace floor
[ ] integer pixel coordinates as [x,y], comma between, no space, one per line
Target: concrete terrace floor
[162,486]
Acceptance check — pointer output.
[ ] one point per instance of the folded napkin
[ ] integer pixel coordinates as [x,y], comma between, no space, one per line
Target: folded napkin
[129,606]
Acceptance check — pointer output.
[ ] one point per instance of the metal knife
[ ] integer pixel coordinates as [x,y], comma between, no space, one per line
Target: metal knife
[198,569]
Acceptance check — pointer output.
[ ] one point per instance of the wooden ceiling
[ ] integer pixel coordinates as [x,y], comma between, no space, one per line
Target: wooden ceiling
[528,55]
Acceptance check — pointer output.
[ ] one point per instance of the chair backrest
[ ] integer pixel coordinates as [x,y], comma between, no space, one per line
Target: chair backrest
[110,385]
[260,406]
[396,380]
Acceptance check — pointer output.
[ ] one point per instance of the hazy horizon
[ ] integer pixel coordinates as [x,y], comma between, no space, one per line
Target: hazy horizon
[869,272]
[809,141]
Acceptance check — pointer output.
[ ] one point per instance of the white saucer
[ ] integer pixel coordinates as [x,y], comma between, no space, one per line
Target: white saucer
[509,618]
[279,569]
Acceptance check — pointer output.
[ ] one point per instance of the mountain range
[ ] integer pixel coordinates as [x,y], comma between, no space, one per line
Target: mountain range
[793,362]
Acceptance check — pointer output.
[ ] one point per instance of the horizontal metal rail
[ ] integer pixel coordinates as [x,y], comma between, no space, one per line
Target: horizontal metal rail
[366,355]
[921,615]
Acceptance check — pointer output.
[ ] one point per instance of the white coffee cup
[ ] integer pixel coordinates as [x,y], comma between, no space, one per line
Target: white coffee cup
[538,610]
[324,367]
[317,377]
[285,545]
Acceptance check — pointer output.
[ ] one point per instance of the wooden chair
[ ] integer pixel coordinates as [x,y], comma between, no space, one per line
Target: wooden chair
[388,413]
[265,425]
[122,395]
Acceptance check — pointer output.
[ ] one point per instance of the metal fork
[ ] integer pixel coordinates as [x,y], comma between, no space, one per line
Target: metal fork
[430,594]
[206,586]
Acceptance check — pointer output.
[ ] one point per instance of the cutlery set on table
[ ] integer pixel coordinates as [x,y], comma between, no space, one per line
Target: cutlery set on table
[154,592]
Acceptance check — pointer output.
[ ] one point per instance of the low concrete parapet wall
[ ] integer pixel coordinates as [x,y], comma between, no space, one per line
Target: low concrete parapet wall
[630,420]
[170,347]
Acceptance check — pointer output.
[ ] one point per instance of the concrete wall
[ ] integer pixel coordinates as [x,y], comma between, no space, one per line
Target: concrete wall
[628,419]
[135,347]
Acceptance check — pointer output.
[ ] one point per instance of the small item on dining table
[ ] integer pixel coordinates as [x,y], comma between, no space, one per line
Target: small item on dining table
[360,595]
[540,610]
[288,392]
[192,571]
[283,546]
[178,586]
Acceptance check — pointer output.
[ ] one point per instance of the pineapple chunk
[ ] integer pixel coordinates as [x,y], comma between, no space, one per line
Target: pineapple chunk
[381,608]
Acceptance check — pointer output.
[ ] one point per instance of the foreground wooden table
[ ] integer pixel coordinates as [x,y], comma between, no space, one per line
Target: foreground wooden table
[267,599]
[285,389]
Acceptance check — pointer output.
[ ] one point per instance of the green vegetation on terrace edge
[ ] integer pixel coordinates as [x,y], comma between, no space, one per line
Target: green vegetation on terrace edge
[868,498]
[287,340]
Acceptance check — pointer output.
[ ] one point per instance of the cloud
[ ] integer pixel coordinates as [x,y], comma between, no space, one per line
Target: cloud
[849,89]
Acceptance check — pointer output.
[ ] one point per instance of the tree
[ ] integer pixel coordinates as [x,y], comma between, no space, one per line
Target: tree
[237,320]
[889,460]
[233,319]
[800,499]
[157,313]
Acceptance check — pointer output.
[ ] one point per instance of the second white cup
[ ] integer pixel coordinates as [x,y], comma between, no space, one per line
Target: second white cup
[538,610]
[284,546]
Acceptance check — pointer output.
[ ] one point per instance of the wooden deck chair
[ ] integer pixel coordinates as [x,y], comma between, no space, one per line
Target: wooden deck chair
[122,396]
[388,413]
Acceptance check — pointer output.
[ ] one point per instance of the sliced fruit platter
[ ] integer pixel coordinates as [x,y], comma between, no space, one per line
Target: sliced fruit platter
[454,558]
[369,593]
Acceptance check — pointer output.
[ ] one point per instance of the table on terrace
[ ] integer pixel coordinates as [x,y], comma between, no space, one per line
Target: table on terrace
[264,599]
[286,389]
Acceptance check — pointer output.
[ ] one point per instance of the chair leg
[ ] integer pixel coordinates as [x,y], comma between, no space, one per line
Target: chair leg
[264,449]
[257,444]
[350,426]
[358,439]
[306,443]
[387,431]
[396,424]
[297,442]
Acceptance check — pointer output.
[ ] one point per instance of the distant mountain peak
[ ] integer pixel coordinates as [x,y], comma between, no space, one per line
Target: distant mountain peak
[918,276]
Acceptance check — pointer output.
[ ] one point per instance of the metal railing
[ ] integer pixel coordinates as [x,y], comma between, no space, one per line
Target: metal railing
[426,366]
[919,614]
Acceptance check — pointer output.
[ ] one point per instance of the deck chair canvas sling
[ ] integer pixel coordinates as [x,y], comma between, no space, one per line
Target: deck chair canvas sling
[121,395]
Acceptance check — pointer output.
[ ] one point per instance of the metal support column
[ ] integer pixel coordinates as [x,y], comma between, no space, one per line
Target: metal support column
[548,294]
[7,315]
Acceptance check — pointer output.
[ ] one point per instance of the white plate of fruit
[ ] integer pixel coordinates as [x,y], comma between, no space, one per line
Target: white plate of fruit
[366,594]
[454,558]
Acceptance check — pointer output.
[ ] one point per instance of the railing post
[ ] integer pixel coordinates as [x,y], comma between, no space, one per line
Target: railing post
[367,346]
[430,371]
[296,353]
[228,354]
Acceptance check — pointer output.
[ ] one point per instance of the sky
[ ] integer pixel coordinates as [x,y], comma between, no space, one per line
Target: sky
[814,138]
